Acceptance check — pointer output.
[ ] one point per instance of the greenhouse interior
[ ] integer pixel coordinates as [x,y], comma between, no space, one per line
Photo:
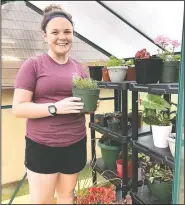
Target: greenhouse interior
[136,138]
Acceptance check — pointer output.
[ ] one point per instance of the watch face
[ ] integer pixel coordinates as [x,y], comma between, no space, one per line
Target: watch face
[52,109]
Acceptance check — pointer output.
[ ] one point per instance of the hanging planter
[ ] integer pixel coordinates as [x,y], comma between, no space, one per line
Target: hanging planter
[110,150]
[155,114]
[105,74]
[86,89]
[117,71]
[148,69]
[170,72]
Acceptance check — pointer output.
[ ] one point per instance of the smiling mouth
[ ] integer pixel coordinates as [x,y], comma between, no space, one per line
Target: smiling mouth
[62,44]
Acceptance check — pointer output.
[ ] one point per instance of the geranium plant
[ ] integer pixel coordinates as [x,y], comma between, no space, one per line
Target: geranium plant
[142,54]
[167,53]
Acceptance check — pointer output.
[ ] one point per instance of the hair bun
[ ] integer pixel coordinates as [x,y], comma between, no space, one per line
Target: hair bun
[52,7]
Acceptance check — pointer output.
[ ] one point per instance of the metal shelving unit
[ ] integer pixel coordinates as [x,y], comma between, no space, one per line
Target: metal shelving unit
[123,136]
[145,143]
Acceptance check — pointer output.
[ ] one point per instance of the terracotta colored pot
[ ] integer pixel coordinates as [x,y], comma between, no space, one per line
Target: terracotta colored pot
[105,75]
[131,74]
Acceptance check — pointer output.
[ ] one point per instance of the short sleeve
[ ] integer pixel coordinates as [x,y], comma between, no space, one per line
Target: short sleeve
[82,71]
[26,76]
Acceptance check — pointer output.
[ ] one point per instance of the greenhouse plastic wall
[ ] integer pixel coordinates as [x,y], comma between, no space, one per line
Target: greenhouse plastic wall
[114,35]
[178,189]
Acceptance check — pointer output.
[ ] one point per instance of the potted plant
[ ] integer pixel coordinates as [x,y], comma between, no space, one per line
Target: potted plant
[139,118]
[105,74]
[155,114]
[100,194]
[116,68]
[160,179]
[148,68]
[171,61]
[171,141]
[131,73]
[110,150]
[101,119]
[119,164]
[114,124]
[86,89]
[95,71]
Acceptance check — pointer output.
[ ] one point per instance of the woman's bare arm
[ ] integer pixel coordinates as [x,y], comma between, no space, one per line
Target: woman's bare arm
[23,107]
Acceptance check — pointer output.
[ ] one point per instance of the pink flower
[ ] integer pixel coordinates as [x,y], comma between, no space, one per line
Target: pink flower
[175,43]
[162,40]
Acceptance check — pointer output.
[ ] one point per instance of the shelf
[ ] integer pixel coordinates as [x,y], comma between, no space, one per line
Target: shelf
[113,85]
[145,144]
[158,88]
[143,197]
[118,135]
[99,167]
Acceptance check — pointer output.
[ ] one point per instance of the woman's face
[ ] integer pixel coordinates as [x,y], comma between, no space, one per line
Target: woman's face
[59,35]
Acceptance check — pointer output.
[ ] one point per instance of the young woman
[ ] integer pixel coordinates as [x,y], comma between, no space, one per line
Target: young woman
[55,131]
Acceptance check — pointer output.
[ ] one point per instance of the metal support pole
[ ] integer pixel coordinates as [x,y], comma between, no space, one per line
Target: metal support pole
[93,149]
[134,137]
[124,122]
[115,100]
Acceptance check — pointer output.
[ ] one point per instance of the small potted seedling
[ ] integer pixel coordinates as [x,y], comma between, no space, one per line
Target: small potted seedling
[110,150]
[117,115]
[116,68]
[160,179]
[131,73]
[114,124]
[86,89]
[155,114]
[101,119]
[148,68]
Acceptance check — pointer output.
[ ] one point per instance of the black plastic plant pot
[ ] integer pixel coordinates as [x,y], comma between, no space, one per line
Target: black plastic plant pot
[148,70]
[114,125]
[161,191]
[96,72]
[88,96]
[101,119]
[109,153]
[170,72]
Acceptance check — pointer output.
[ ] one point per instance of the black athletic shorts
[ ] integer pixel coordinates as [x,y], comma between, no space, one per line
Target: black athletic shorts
[48,160]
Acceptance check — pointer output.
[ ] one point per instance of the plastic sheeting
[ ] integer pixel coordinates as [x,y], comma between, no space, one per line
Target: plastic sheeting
[103,28]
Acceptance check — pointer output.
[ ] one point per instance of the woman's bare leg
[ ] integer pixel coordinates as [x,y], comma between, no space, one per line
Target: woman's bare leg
[42,187]
[66,184]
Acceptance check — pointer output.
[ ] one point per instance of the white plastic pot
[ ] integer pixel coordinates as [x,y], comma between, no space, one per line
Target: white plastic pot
[160,135]
[171,142]
[117,73]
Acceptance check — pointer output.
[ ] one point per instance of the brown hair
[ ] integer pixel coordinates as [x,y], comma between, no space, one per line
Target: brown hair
[53,10]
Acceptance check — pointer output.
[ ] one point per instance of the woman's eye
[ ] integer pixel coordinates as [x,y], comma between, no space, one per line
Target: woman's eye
[54,32]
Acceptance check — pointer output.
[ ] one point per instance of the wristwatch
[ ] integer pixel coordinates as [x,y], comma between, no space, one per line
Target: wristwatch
[52,110]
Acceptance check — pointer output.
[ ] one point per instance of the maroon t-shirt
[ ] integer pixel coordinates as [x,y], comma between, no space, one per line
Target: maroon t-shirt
[51,82]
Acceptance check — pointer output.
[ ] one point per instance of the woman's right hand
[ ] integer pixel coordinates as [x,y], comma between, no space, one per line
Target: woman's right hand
[69,105]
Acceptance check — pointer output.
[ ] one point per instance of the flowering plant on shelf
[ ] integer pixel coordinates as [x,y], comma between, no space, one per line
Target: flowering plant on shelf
[101,195]
[142,54]
[103,192]
[167,53]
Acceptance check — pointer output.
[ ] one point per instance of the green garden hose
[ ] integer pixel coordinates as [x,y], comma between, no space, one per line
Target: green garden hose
[17,189]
